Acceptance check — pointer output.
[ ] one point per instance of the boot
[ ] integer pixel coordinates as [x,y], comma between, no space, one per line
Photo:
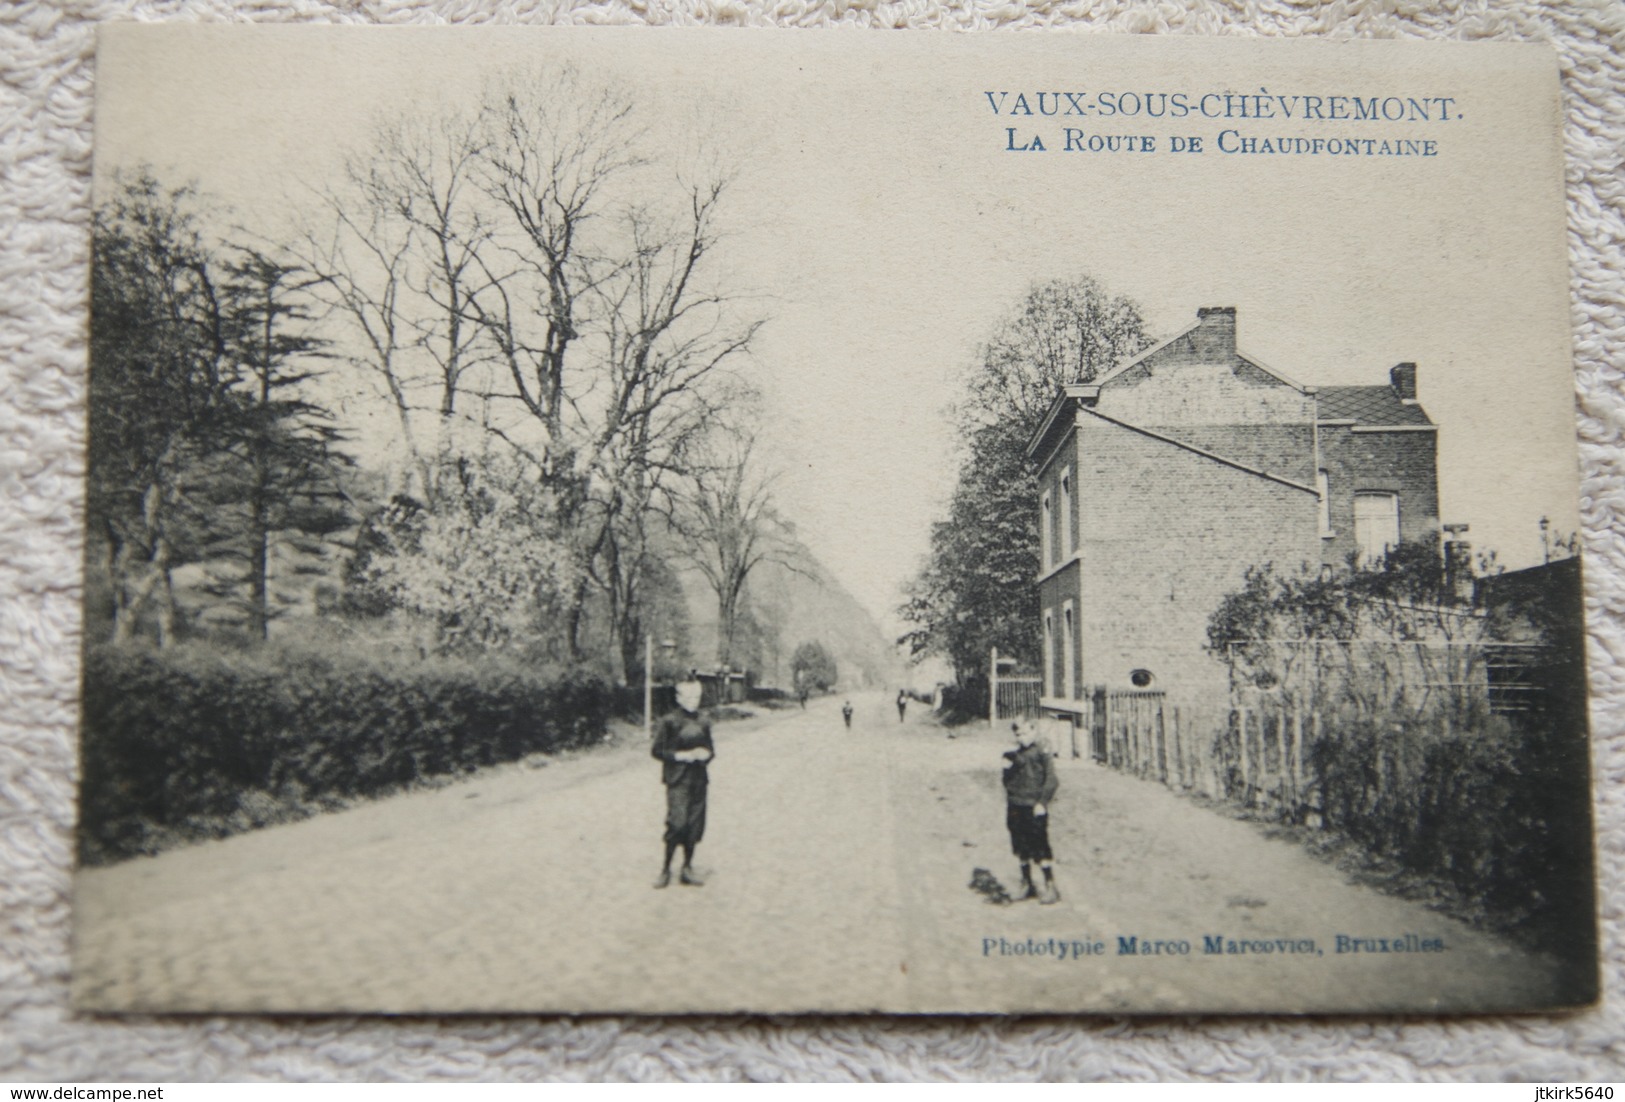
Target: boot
[1028,891]
[1051,893]
[663,879]
[691,878]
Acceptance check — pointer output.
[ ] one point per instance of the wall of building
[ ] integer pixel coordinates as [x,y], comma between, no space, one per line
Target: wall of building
[1058,539]
[1053,592]
[1403,463]
[1198,389]
[1166,533]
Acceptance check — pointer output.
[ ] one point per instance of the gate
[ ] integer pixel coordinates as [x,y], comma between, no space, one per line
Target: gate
[1017,697]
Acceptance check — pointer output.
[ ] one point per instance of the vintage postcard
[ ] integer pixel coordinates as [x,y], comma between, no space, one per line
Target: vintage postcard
[611,520]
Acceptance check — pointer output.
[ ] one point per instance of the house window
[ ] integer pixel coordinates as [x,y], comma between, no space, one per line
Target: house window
[1043,535]
[1050,680]
[1376,525]
[1323,487]
[1068,651]
[1069,541]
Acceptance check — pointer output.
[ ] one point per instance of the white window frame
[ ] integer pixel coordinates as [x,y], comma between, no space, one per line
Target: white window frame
[1045,543]
[1049,652]
[1069,651]
[1069,542]
[1362,538]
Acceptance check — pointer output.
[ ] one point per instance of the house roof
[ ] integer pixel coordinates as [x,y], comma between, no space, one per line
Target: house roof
[1135,361]
[1369,405]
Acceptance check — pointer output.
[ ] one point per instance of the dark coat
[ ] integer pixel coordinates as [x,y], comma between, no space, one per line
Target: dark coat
[677,732]
[1030,777]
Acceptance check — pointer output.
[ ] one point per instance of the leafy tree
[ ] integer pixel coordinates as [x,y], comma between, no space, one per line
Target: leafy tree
[1396,638]
[160,402]
[812,668]
[976,590]
[389,529]
[1069,330]
[274,493]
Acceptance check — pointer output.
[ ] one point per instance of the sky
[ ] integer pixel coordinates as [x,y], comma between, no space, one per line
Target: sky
[885,219]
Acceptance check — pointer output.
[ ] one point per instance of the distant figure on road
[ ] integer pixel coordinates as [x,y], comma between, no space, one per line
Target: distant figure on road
[801,694]
[683,744]
[902,703]
[846,714]
[1029,786]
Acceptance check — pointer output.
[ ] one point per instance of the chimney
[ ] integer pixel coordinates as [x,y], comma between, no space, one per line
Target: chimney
[1403,378]
[1217,332]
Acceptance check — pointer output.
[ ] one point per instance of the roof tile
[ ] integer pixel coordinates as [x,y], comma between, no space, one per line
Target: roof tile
[1368,405]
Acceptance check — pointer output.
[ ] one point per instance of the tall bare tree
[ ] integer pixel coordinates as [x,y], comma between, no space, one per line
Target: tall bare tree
[560,286]
[670,336]
[399,254]
[730,527]
[552,151]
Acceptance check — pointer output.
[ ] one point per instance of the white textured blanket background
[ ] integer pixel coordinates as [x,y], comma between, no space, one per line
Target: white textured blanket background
[46,83]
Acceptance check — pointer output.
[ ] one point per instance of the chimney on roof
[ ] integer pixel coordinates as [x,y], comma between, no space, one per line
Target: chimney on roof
[1403,378]
[1216,332]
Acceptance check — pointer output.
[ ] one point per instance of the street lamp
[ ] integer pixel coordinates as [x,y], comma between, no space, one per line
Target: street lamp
[667,646]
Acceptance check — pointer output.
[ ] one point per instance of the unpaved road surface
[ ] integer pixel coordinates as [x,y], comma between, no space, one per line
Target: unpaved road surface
[838,865]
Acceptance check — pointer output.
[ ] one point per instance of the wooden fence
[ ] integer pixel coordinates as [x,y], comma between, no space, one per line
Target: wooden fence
[1252,747]
[1141,731]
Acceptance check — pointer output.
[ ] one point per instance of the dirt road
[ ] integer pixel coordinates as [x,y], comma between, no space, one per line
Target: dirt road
[838,868]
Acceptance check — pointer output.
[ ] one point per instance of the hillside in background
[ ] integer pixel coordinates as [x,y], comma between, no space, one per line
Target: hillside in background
[785,609]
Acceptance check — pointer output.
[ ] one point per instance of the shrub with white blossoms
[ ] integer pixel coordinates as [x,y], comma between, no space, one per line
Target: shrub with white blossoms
[483,568]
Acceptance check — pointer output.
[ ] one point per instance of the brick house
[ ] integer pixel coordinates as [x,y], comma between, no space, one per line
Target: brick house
[1161,482]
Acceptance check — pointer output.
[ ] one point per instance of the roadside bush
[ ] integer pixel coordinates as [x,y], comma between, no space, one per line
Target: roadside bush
[1495,812]
[964,702]
[198,742]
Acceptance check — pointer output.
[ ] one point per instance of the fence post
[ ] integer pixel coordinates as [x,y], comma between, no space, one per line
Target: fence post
[1297,757]
[1131,729]
[1148,737]
[1241,741]
[1314,737]
[1160,762]
[1102,720]
[1178,748]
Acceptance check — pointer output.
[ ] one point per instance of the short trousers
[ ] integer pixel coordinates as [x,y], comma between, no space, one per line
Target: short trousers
[685,812]
[1029,833]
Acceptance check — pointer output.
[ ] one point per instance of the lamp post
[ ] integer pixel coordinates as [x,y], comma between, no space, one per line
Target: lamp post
[666,647]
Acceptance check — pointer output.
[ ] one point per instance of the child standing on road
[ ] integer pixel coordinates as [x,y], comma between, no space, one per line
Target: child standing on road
[683,745]
[846,714]
[1029,786]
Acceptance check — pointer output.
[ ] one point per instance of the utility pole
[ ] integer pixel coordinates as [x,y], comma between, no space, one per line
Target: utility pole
[993,690]
[648,685]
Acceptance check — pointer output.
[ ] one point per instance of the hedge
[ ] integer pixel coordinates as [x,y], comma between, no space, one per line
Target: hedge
[197,742]
[1500,813]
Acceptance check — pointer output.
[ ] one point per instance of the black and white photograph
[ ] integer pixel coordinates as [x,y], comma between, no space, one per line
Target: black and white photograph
[590,520]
